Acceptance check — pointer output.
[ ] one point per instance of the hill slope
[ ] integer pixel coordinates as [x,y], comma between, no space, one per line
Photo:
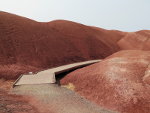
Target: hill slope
[27,43]
[120,82]
[32,46]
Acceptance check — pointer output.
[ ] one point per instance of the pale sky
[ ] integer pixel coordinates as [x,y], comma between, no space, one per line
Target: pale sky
[126,15]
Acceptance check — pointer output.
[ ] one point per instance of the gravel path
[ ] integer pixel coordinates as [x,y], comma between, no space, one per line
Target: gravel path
[59,99]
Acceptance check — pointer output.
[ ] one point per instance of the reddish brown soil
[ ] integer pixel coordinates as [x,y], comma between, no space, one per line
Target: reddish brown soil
[12,71]
[116,82]
[29,44]
[32,46]
[53,43]
[137,40]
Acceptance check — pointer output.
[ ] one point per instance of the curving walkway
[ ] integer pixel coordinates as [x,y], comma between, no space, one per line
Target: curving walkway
[56,98]
[48,76]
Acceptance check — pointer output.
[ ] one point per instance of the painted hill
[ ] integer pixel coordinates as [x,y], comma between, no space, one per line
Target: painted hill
[136,40]
[27,45]
[118,83]
[31,45]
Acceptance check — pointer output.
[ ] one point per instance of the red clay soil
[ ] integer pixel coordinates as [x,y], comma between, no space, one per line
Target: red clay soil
[13,71]
[27,45]
[45,45]
[117,83]
[32,46]
[137,40]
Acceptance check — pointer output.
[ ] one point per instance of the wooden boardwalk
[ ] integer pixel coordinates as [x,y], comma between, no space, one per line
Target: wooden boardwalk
[48,76]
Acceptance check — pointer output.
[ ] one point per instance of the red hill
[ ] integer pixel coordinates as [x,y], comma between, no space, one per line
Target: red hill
[120,82]
[31,46]
[27,43]
[136,40]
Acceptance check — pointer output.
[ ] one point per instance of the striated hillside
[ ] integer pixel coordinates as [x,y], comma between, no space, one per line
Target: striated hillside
[120,82]
[136,40]
[27,43]
[32,46]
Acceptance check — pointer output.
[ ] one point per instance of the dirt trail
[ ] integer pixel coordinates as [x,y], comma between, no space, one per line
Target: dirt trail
[59,99]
